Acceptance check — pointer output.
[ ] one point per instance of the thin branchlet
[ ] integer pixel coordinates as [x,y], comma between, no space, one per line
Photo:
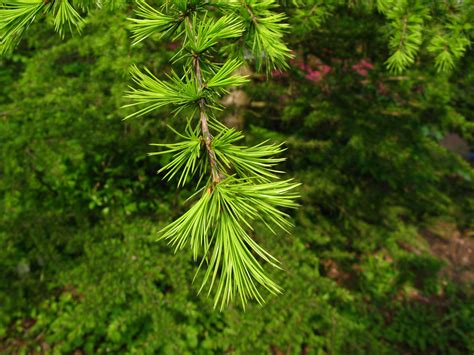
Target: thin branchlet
[249,10]
[216,174]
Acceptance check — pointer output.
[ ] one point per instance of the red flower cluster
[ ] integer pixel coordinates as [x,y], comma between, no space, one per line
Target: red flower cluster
[314,69]
[363,67]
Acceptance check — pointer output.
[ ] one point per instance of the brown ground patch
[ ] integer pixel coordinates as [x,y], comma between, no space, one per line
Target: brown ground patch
[456,248]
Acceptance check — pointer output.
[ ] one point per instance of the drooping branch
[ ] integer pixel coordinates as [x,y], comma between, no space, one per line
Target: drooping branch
[216,173]
[216,226]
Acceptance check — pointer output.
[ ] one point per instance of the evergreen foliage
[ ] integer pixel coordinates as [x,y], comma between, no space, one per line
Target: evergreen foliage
[16,16]
[443,28]
[80,203]
[239,183]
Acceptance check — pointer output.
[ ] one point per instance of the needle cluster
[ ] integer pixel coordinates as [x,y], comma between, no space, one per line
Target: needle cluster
[237,185]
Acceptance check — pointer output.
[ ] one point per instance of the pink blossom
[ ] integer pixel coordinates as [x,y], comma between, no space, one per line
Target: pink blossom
[360,71]
[363,67]
[312,67]
[276,73]
[298,62]
[366,64]
[325,69]
[314,75]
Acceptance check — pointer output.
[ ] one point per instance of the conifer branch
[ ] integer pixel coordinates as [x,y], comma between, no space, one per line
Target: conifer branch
[265,30]
[16,16]
[241,182]
[216,173]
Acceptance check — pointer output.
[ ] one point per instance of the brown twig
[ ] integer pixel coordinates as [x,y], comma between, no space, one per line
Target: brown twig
[216,174]
[249,10]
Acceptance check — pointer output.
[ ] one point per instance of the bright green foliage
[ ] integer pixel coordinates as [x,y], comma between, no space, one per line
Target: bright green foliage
[406,26]
[16,16]
[442,28]
[310,14]
[224,77]
[239,182]
[447,49]
[186,157]
[150,21]
[224,214]
[204,33]
[257,161]
[446,27]
[81,205]
[65,16]
[183,92]
[266,30]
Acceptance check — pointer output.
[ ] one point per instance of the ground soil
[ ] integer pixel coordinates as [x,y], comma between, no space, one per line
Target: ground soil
[456,248]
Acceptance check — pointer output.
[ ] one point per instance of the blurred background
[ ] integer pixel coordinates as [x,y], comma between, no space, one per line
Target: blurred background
[381,259]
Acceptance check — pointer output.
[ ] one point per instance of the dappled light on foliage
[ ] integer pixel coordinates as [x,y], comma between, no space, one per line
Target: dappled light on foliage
[366,105]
